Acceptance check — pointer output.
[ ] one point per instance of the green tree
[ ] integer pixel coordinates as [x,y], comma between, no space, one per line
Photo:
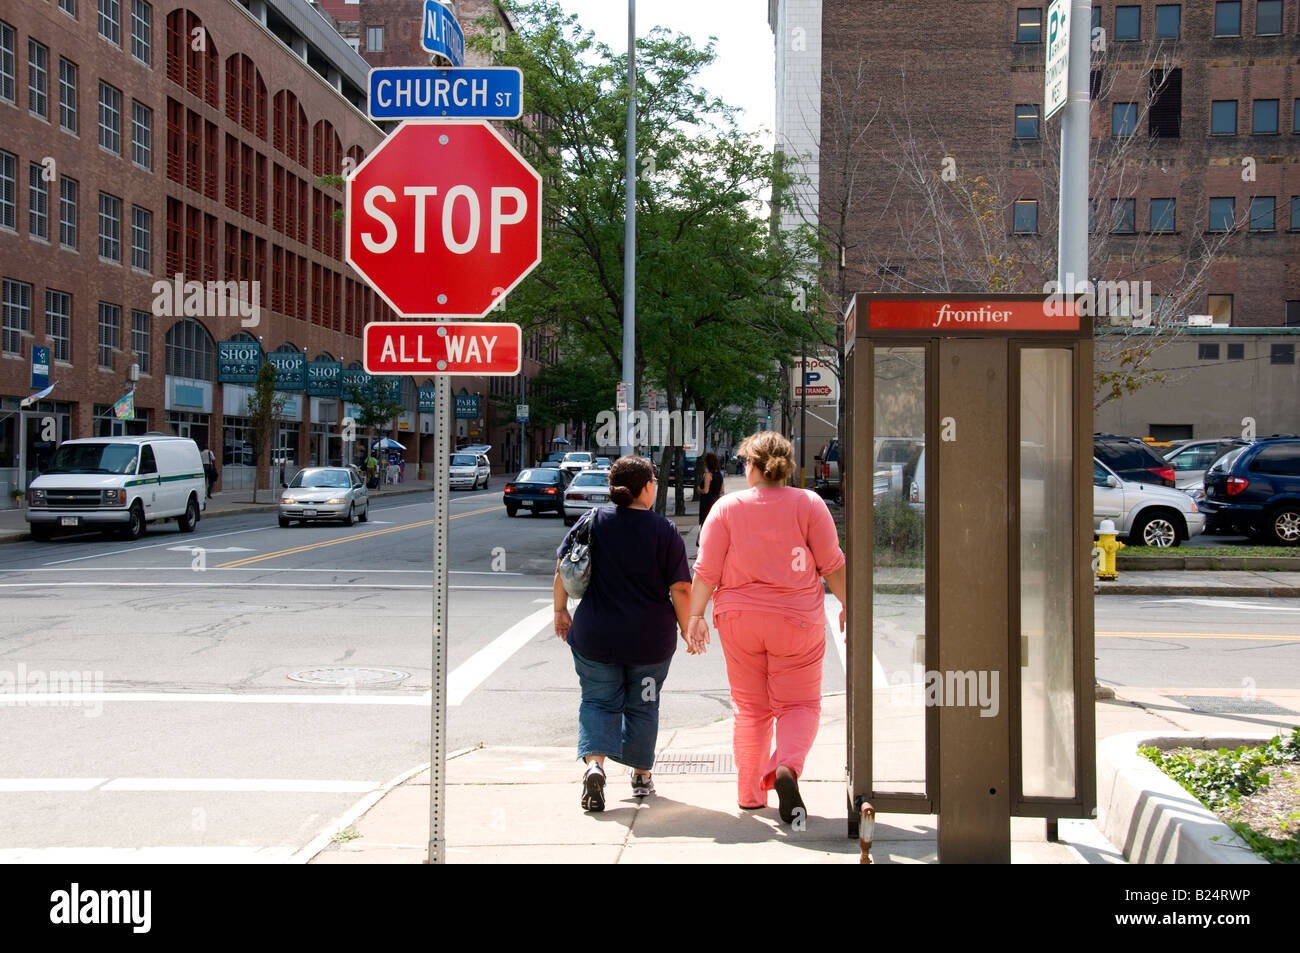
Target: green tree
[377,405]
[265,406]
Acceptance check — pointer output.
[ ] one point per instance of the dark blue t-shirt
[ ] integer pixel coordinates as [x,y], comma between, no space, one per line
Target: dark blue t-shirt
[626,616]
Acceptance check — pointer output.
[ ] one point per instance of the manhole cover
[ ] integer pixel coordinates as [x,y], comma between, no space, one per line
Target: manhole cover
[1232,705]
[680,762]
[348,676]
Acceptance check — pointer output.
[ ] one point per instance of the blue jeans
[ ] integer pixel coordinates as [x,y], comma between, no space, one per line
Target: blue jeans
[619,714]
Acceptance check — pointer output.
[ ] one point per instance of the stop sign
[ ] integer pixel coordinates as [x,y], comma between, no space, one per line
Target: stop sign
[443,219]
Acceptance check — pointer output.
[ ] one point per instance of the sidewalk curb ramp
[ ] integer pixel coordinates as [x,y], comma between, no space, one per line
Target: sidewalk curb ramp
[1150,816]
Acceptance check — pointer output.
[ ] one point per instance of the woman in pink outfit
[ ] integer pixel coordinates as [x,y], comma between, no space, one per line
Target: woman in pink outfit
[763,554]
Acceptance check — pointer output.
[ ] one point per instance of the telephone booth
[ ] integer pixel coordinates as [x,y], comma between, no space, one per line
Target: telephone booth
[968,496]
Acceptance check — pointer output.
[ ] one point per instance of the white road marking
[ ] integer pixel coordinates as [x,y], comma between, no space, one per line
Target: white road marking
[137,549]
[831,606]
[258,585]
[69,699]
[1269,606]
[478,667]
[146,855]
[256,785]
[190,549]
[14,785]
[278,569]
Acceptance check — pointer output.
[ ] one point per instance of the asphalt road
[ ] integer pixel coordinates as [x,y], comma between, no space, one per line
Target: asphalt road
[173,721]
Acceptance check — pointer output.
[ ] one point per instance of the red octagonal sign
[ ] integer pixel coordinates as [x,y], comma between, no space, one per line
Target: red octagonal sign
[444,219]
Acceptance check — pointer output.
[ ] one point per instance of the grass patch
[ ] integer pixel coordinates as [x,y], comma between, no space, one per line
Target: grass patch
[1273,551]
[345,835]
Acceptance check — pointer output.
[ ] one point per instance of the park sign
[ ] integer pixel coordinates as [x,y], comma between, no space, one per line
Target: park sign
[467,407]
[441,33]
[428,397]
[443,219]
[418,347]
[439,92]
[1057,74]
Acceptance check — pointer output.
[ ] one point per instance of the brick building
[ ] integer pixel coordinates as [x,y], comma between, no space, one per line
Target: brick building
[1210,90]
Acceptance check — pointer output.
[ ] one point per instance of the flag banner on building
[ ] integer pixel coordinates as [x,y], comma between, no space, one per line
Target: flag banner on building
[39,395]
[124,407]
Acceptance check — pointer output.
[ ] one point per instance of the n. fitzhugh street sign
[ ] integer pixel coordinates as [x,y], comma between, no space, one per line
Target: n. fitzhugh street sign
[443,219]
[441,33]
[1055,85]
[485,350]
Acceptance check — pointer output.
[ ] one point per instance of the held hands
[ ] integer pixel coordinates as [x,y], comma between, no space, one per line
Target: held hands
[697,637]
[562,622]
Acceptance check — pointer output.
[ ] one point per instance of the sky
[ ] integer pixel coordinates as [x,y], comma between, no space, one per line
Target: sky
[744,72]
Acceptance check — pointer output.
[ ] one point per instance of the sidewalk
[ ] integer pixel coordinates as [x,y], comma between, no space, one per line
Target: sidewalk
[520,805]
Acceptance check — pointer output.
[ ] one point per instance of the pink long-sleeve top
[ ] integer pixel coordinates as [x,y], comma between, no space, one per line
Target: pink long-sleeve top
[767,548]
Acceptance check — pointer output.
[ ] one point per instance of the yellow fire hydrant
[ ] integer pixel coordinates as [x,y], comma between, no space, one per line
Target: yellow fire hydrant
[1107,546]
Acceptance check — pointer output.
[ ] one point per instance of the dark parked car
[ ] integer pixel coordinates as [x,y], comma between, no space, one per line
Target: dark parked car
[1191,458]
[1132,459]
[538,489]
[826,469]
[1256,491]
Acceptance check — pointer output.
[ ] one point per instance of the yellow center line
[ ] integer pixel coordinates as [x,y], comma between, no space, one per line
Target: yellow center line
[237,563]
[1197,635]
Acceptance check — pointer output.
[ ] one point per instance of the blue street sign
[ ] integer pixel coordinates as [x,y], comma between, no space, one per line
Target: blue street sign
[430,92]
[40,367]
[441,33]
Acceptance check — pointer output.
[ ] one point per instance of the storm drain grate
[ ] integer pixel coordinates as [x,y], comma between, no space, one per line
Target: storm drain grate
[1232,705]
[342,677]
[685,762]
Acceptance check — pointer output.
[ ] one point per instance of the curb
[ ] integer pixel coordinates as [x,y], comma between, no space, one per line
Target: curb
[1233,591]
[1154,819]
[1210,563]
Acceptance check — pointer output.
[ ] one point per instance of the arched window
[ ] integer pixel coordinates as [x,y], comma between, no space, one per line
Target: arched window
[243,336]
[287,348]
[189,350]
[323,356]
[191,55]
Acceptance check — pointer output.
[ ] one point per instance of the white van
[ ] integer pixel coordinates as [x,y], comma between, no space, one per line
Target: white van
[118,484]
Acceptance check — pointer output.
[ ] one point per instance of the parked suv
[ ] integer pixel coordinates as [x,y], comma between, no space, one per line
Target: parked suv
[827,461]
[1256,491]
[1191,458]
[1131,459]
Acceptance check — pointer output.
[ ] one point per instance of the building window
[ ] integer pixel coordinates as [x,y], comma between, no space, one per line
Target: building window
[1029,25]
[58,324]
[141,31]
[1128,23]
[110,21]
[38,80]
[1123,216]
[1262,209]
[1207,352]
[38,202]
[110,227]
[140,336]
[69,7]
[1293,314]
[1169,21]
[1223,117]
[141,135]
[1282,354]
[1123,119]
[8,190]
[1027,121]
[1026,217]
[1220,308]
[110,118]
[1295,213]
[67,212]
[17,315]
[374,39]
[1163,215]
[1264,121]
[1222,214]
[1268,18]
[189,351]
[1236,352]
[1295,116]
[110,333]
[68,95]
[1227,19]
[1166,116]
[141,237]
[7,75]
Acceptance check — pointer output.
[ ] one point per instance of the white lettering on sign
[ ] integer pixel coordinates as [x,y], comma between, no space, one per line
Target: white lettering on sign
[459,352]
[404,91]
[397,352]
[497,213]
[983,316]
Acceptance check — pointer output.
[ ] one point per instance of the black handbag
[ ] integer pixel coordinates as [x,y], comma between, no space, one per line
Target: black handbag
[575,562]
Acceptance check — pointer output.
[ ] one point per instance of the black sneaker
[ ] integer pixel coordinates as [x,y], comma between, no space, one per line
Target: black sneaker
[642,784]
[787,793]
[593,788]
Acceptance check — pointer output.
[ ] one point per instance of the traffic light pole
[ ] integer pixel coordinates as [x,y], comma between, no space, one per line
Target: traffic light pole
[438,671]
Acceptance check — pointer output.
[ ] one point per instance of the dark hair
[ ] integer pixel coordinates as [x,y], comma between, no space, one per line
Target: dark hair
[627,478]
[711,461]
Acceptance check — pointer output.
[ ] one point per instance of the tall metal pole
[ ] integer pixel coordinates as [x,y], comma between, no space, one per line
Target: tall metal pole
[438,671]
[1072,238]
[629,229]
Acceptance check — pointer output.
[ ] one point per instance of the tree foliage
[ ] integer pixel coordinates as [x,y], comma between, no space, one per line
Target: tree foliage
[265,406]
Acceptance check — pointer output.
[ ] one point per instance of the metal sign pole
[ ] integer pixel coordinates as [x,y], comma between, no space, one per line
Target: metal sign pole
[438,671]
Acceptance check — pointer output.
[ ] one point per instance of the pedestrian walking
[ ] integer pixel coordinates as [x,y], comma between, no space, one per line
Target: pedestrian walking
[763,554]
[709,487]
[209,468]
[624,631]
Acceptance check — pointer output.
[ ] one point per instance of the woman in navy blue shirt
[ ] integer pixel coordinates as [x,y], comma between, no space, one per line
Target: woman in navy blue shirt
[624,631]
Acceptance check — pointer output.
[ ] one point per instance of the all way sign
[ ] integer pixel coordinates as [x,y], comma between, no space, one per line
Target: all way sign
[409,347]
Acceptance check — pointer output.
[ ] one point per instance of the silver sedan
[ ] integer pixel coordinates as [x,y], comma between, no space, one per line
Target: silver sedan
[325,493]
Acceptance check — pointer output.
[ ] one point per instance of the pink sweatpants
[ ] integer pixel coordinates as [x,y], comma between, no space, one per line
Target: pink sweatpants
[774,665]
